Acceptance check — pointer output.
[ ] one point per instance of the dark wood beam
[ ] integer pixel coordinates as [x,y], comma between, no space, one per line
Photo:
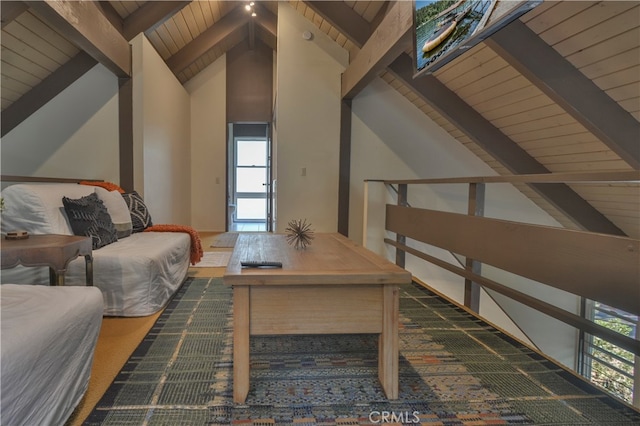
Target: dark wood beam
[111,14]
[83,24]
[149,16]
[10,10]
[46,90]
[380,15]
[222,30]
[344,167]
[475,207]
[252,34]
[125,129]
[390,39]
[568,87]
[607,176]
[500,146]
[344,19]
[267,38]
[267,27]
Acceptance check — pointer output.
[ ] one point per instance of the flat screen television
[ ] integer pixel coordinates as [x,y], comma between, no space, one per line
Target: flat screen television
[444,29]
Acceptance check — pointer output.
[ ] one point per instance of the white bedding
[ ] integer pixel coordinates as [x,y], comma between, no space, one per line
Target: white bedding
[154,264]
[47,341]
[137,275]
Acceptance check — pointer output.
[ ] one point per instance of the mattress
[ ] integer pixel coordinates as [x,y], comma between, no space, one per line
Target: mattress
[47,340]
[137,275]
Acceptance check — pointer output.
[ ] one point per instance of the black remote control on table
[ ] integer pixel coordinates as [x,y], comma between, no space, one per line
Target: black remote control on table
[260,264]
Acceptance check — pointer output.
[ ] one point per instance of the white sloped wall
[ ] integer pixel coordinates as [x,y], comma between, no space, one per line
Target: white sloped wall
[392,139]
[75,135]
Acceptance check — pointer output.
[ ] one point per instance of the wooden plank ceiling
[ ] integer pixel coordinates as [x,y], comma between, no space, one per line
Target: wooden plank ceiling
[572,103]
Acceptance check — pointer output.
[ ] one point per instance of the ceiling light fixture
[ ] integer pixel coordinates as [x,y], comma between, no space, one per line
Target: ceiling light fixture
[249,8]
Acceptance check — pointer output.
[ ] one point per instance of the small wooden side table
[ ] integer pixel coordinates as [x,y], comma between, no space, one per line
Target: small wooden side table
[54,251]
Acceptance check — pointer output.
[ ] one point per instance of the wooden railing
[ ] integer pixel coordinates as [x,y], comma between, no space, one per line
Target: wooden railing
[34,179]
[600,267]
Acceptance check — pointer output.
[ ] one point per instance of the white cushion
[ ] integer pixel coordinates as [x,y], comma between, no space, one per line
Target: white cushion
[118,210]
[37,208]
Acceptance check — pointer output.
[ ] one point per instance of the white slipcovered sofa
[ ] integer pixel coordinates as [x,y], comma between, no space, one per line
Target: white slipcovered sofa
[47,344]
[137,274]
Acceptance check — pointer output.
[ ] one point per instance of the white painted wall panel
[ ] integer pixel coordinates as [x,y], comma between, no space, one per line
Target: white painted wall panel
[208,147]
[75,135]
[308,123]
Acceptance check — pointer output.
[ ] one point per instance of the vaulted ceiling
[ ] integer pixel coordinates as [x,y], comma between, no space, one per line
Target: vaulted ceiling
[557,90]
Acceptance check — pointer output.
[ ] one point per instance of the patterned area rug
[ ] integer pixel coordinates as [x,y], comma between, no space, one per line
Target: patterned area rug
[454,370]
[226,240]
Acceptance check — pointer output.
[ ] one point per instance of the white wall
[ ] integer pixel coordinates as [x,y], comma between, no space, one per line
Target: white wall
[208,147]
[162,132]
[308,122]
[75,135]
[391,138]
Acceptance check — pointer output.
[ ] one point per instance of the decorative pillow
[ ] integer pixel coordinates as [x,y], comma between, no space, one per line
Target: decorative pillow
[140,217]
[89,217]
[118,210]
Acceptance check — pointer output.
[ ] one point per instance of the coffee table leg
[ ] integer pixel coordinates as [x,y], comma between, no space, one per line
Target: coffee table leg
[240,343]
[388,352]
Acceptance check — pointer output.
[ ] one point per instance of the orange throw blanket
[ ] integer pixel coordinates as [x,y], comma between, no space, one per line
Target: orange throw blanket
[106,185]
[196,244]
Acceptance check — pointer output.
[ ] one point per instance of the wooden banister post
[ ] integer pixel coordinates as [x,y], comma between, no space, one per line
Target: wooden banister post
[401,239]
[475,208]
[365,214]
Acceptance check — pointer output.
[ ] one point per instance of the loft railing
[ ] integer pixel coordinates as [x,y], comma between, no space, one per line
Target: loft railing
[35,179]
[599,267]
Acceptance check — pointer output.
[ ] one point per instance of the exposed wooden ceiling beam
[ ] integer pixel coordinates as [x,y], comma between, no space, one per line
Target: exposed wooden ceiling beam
[500,146]
[46,90]
[267,38]
[83,23]
[390,39]
[252,34]
[10,10]
[222,30]
[568,87]
[380,15]
[111,14]
[267,28]
[149,16]
[344,19]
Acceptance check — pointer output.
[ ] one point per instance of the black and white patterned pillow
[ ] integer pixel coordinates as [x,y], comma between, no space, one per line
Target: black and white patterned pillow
[89,217]
[140,217]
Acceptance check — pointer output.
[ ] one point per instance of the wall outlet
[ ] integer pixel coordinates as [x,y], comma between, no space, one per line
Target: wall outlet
[303,172]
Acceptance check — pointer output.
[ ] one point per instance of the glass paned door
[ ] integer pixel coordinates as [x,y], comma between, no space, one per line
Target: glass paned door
[251,179]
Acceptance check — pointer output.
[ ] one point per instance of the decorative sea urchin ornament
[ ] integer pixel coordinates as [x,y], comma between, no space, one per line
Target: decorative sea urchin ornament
[299,233]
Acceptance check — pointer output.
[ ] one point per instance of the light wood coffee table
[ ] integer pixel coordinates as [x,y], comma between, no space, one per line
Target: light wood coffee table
[334,286]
